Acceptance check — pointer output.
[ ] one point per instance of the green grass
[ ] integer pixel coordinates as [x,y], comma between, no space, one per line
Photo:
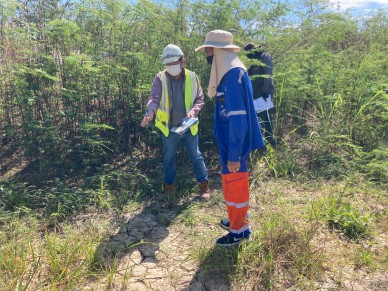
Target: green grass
[341,210]
[33,256]
[364,257]
[278,247]
[293,243]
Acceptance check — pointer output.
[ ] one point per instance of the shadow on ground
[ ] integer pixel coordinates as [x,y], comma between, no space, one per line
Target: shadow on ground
[147,243]
[216,270]
[145,247]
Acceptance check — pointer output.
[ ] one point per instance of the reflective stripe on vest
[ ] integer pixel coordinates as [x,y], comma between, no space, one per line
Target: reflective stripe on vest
[163,113]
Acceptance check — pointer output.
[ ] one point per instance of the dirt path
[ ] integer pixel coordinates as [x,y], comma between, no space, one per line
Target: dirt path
[155,250]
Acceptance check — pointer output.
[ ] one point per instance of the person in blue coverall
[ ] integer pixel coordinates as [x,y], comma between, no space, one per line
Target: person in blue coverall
[236,129]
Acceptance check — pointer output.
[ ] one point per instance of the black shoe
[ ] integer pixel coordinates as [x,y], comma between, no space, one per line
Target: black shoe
[229,240]
[225,224]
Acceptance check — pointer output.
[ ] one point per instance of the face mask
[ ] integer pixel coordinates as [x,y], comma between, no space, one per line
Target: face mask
[174,70]
[210,59]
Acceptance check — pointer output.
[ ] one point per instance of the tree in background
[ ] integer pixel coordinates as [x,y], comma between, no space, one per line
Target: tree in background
[75,75]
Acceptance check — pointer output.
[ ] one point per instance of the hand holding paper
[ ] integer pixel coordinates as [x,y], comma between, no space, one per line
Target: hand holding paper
[262,104]
[182,126]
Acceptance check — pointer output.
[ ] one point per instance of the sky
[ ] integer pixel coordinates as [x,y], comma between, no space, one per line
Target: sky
[360,7]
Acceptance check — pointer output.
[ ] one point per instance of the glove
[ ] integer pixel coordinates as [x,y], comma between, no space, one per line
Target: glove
[265,96]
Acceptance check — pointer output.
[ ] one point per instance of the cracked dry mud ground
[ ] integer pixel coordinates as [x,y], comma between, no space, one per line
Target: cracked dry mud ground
[154,252]
[155,248]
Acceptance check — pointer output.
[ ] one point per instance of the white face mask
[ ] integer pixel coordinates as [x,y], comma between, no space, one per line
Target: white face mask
[174,70]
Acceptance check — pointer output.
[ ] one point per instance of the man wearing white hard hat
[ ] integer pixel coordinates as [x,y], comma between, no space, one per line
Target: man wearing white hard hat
[236,128]
[176,93]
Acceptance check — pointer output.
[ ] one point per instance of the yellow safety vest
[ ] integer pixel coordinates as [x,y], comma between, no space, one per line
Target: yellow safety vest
[163,113]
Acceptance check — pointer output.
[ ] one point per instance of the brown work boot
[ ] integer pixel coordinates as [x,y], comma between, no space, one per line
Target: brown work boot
[169,189]
[204,191]
[168,197]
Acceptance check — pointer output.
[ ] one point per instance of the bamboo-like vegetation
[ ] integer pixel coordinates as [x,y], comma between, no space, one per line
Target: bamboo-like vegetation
[74,80]
[75,75]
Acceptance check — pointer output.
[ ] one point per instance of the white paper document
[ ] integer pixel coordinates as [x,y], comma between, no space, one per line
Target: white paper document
[182,126]
[262,105]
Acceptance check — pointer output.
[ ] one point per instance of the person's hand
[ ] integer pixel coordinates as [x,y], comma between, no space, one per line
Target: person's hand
[147,119]
[190,115]
[233,167]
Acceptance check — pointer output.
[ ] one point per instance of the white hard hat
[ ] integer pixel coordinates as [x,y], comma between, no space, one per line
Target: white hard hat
[171,53]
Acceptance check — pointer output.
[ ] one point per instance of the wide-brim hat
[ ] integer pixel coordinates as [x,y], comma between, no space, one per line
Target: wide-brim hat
[219,39]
